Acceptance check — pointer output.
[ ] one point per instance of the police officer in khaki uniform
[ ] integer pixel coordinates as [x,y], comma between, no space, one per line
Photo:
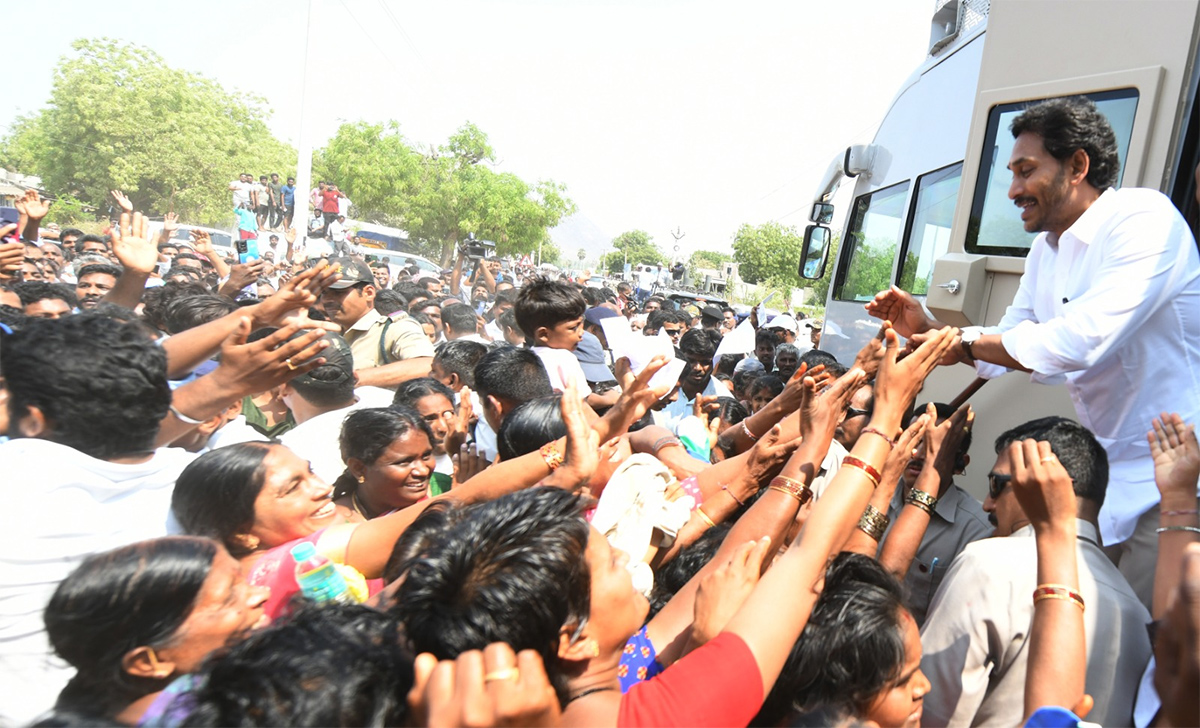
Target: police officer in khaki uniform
[387,349]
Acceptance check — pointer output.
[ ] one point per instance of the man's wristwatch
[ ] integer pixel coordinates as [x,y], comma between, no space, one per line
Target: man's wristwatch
[968,337]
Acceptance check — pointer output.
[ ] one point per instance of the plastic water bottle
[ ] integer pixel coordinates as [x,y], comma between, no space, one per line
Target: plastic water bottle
[318,577]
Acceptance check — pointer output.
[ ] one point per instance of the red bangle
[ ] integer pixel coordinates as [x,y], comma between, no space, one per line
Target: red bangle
[867,468]
[749,434]
[1057,591]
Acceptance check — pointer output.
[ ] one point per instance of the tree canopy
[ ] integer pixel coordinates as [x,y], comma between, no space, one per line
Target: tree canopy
[440,195]
[636,246]
[120,118]
[767,252]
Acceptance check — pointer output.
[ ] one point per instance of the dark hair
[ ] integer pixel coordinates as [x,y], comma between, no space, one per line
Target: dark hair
[512,374]
[412,390]
[505,295]
[12,317]
[117,312]
[1075,447]
[214,495]
[459,318]
[655,320]
[593,296]
[116,601]
[101,384]
[189,311]
[673,575]
[815,357]
[388,302]
[543,302]
[326,664]
[368,433]
[530,425]
[770,382]
[408,289]
[509,570]
[745,379]
[1068,124]
[420,537]
[329,385]
[695,342]
[189,256]
[851,649]
[460,357]
[105,268]
[79,242]
[765,336]
[727,363]
[34,291]
[508,320]
[156,300]
[424,282]
[68,232]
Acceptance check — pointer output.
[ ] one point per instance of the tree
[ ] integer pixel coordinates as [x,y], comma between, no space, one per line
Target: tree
[710,259]
[636,247]
[441,195]
[767,251]
[120,118]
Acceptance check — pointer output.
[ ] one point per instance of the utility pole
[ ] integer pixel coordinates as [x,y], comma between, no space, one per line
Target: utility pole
[303,148]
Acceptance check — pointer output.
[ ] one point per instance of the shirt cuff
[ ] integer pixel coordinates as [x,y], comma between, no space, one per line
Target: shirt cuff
[1024,342]
[986,369]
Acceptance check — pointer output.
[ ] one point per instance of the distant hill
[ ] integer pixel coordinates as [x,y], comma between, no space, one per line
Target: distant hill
[578,231]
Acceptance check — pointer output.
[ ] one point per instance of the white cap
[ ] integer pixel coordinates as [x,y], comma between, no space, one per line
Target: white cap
[783,321]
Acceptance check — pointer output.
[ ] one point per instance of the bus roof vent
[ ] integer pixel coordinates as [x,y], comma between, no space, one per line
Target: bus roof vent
[953,19]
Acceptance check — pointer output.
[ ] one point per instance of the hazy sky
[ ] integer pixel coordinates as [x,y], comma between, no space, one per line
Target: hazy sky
[655,114]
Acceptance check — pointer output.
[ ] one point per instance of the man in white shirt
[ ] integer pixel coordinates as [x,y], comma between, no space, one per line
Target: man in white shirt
[240,188]
[337,235]
[82,476]
[698,349]
[1109,305]
[320,400]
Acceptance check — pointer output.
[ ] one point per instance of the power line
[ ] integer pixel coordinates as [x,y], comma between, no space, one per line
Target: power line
[396,23]
[371,38]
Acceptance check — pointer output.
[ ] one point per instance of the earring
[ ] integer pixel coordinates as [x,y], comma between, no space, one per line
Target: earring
[362,479]
[158,671]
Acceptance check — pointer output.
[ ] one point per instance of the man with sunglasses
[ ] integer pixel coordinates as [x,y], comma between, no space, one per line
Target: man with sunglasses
[974,639]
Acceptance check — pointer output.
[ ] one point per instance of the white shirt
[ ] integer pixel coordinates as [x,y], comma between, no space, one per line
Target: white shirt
[241,193]
[317,439]
[63,506]
[337,231]
[562,367]
[1112,310]
[233,432]
[672,414]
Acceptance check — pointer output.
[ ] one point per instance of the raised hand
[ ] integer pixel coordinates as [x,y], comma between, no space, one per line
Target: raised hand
[907,315]
[296,295]
[942,442]
[12,255]
[636,397]
[201,241]
[461,427]
[723,591]
[905,448]
[171,224]
[1042,486]
[768,456]
[871,355]
[468,462]
[122,200]
[32,206]
[822,409]
[582,454]
[132,245]
[250,368]
[492,687]
[899,380]
[1176,458]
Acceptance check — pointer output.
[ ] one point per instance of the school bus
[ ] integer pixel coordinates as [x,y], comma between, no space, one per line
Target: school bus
[930,210]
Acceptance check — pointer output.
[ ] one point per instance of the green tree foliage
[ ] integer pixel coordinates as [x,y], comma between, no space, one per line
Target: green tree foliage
[636,246]
[767,251]
[67,210]
[441,195]
[120,118]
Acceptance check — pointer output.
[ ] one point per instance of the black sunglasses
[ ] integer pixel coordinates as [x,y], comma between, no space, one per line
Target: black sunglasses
[856,412]
[997,483]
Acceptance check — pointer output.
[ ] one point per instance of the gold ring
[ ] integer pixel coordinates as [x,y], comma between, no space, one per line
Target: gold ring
[290,365]
[1048,459]
[508,673]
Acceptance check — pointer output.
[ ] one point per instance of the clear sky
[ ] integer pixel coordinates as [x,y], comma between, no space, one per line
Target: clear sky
[656,114]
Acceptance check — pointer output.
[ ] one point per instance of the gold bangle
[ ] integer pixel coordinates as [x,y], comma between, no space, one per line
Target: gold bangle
[1058,591]
[873,522]
[704,517]
[922,500]
[792,487]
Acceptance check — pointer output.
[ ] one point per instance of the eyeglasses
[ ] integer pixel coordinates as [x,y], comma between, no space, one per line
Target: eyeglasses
[996,484]
[856,412]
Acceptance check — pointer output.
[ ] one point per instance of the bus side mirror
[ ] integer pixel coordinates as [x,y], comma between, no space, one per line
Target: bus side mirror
[822,213]
[816,248]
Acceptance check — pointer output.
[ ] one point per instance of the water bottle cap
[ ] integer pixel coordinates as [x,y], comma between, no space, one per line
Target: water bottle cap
[303,551]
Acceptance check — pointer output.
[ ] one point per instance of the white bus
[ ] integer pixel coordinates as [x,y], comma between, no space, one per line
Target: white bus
[930,210]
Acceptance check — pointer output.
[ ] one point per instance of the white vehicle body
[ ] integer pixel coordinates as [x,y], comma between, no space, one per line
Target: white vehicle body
[930,211]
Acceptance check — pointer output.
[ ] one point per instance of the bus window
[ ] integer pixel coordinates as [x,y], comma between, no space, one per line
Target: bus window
[873,237]
[928,236]
[995,227]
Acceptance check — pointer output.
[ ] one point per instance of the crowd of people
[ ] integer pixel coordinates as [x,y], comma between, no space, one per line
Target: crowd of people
[539,524]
